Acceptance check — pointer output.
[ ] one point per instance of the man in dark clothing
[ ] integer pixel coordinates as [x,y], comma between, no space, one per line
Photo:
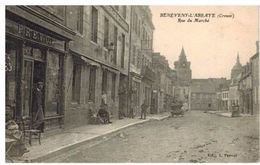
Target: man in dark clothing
[143,110]
[38,116]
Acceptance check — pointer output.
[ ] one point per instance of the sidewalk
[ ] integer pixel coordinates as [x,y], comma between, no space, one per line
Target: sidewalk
[70,138]
[227,114]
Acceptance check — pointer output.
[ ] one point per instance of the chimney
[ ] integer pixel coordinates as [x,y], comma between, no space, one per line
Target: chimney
[257,46]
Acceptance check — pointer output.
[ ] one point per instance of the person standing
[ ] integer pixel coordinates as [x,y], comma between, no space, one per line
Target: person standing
[143,110]
[38,116]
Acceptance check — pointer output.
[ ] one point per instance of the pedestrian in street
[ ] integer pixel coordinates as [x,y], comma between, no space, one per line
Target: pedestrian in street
[143,110]
[38,116]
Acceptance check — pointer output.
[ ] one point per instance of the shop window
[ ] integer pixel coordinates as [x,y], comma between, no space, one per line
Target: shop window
[92,81]
[106,32]
[10,79]
[104,81]
[94,24]
[76,79]
[53,89]
[113,90]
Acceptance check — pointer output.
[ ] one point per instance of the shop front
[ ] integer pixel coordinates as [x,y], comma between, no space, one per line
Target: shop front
[34,54]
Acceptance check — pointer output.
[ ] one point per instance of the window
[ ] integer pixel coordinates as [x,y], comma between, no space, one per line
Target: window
[116,7]
[135,22]
[94,24]
[106,32]
[113,90]
[104,81]
[115,45]
[133,57]
[92,82]
[55,62]
[75,18]
[124,12]
[80,19]
[76,82]
[123,51]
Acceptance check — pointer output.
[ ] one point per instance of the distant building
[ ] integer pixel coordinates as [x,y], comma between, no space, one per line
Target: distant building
[163,91]
[225,102]
[249,86]
[204,93]
[255,79]
[233,87]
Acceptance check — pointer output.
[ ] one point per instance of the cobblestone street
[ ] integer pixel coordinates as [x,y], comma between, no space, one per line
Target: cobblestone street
[196,137]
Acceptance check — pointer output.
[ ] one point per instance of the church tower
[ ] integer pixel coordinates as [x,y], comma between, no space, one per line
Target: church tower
[237,69]
[183,77]
[183,71]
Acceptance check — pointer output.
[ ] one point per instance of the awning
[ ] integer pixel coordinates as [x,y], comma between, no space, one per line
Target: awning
[89,62]
[109,68]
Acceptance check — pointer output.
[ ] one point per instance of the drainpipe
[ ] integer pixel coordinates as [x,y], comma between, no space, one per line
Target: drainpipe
[129,62]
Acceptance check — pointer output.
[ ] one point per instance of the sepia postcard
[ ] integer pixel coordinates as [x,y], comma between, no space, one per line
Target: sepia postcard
[131,84]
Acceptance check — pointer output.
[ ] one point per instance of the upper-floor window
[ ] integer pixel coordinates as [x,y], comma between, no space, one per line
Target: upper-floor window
[94,24]
[117,8]
[74,18]
[106,32]
[115,45]
[123,51]
[80,19]
[124,12]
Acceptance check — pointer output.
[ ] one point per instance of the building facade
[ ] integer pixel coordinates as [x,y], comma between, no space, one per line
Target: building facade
[98,64]
[79,52]
[163,91]
[233,87]
[37,45]
[249,85]
[141,74]
[204,93]
[255,80]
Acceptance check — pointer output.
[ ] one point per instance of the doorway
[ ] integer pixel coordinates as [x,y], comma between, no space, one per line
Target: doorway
[33,72]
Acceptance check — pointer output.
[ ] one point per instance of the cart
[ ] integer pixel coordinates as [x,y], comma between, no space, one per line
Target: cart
[176,110]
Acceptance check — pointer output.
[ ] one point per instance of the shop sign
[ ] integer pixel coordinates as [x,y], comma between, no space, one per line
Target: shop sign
[31,34]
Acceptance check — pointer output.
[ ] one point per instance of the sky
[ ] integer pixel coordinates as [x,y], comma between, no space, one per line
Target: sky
[211,47]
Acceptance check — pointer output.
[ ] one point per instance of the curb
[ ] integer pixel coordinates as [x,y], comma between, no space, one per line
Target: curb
[68,147]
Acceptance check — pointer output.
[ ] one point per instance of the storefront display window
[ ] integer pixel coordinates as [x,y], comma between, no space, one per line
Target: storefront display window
[10,71]
[53,84]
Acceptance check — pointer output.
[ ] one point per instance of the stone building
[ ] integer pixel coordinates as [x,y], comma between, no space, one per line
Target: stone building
[183,78]
[245,90]
[255,79]
[233,88]
[37,46]
[99,60]
[163,91]
[79,52]
[141,74]
[204,93]
[249,85]
[222,96]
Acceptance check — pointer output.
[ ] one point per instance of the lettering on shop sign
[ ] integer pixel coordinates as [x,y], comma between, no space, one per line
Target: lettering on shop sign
[34,35]
[25,32]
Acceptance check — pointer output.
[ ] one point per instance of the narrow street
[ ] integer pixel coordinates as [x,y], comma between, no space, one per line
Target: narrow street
[196,137]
